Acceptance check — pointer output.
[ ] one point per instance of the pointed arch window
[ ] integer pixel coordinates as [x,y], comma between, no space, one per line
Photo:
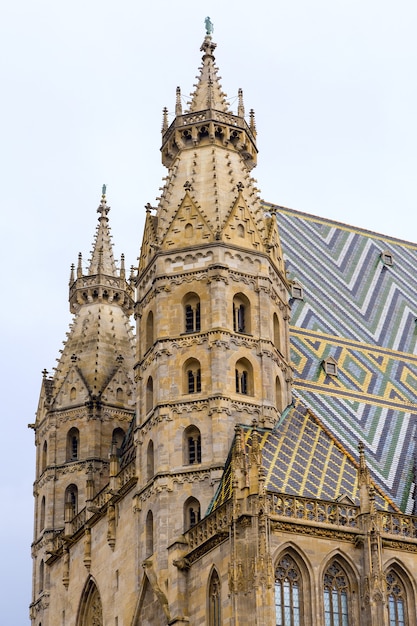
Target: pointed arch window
[150,461]
[73,444]
[287,593]
[117,439]
[336,591]
[149,331]
[71,502]
[244,377]
[44,460]
[90,612]
[42,514]
[191,513]
[149,394]
[214,600]
[396,599]
[277,332]
[41,576]
[149,533]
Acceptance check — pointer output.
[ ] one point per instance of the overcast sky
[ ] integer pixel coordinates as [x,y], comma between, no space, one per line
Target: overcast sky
[333,85]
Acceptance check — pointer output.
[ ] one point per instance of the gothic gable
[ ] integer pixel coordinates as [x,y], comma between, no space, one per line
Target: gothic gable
[148,242]
[240,228]
[119,389]
[188,226]
[73,390]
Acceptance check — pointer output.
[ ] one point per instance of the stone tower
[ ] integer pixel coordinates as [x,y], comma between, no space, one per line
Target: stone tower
[87,405]
[212,314]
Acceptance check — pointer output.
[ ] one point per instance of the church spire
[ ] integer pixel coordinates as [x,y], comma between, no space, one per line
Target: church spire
[102,282]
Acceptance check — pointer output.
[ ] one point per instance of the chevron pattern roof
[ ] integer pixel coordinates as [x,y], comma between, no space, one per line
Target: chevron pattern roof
[300,457]
[362,312]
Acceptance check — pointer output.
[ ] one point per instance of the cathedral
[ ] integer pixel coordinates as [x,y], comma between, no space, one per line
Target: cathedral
[247,455]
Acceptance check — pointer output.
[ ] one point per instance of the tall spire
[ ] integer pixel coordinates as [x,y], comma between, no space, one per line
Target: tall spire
[208,93]
[103,282]
[102,260]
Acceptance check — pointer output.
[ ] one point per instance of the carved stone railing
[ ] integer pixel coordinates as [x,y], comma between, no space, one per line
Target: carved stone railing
[126,474]
[217,522]
[312,510]
[78,521]
[398,524]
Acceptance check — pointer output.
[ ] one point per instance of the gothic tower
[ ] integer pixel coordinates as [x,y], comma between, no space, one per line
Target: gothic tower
[212,315]
[86,406]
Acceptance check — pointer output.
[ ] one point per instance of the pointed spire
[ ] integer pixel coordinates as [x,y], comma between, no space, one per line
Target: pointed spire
[208,92]
[102,282]
[102,258]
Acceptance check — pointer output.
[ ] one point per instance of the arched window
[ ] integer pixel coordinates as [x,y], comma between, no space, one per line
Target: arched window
[150,468]
[192,376]
[90,611]
[336,589]
[240,230]
[117,438]
[241,314]
[149,331]
[396,599]
[192,319]
[288,606]
[149,394]
[191,513]
[71,502]
[244,377]
[277,332]
[188,231]
[41,576]
[278,394]
[192,446]
[42,514]
[73,394]
[214,600]
[149,533]
[73,444]
[44,459]
[119,394]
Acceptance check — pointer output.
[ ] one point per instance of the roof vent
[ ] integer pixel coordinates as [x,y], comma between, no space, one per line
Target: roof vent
[330,366]
[297,292]
[387,258]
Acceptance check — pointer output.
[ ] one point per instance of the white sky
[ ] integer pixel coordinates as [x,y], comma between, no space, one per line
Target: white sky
[333,85]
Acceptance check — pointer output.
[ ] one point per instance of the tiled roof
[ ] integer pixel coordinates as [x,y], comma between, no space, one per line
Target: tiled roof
[362,313]
[301,457]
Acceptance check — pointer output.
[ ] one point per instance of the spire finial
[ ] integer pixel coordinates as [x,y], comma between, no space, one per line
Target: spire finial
[103,208]
[178,105]
[240,106]
[80,265]
[209,26]
[164,119]
[103,191]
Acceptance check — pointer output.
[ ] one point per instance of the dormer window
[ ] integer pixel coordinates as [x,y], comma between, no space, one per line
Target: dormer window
[297,291]
[387,258]
[330,366]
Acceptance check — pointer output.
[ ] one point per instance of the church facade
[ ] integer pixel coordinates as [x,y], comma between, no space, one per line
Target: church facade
[247,456]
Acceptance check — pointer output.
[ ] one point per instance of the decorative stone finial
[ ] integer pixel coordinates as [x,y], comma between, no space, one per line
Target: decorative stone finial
[240,106]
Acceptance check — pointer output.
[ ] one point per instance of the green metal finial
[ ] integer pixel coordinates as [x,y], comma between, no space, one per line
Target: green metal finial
[103,190]
[209,26]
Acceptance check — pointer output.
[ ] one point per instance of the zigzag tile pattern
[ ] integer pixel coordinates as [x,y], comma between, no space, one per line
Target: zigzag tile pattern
[362,313]
[300,457]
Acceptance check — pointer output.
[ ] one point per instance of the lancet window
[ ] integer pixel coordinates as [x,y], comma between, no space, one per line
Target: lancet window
[396,599]
[192,445]
[336,589]
[287,593]
[214,600]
